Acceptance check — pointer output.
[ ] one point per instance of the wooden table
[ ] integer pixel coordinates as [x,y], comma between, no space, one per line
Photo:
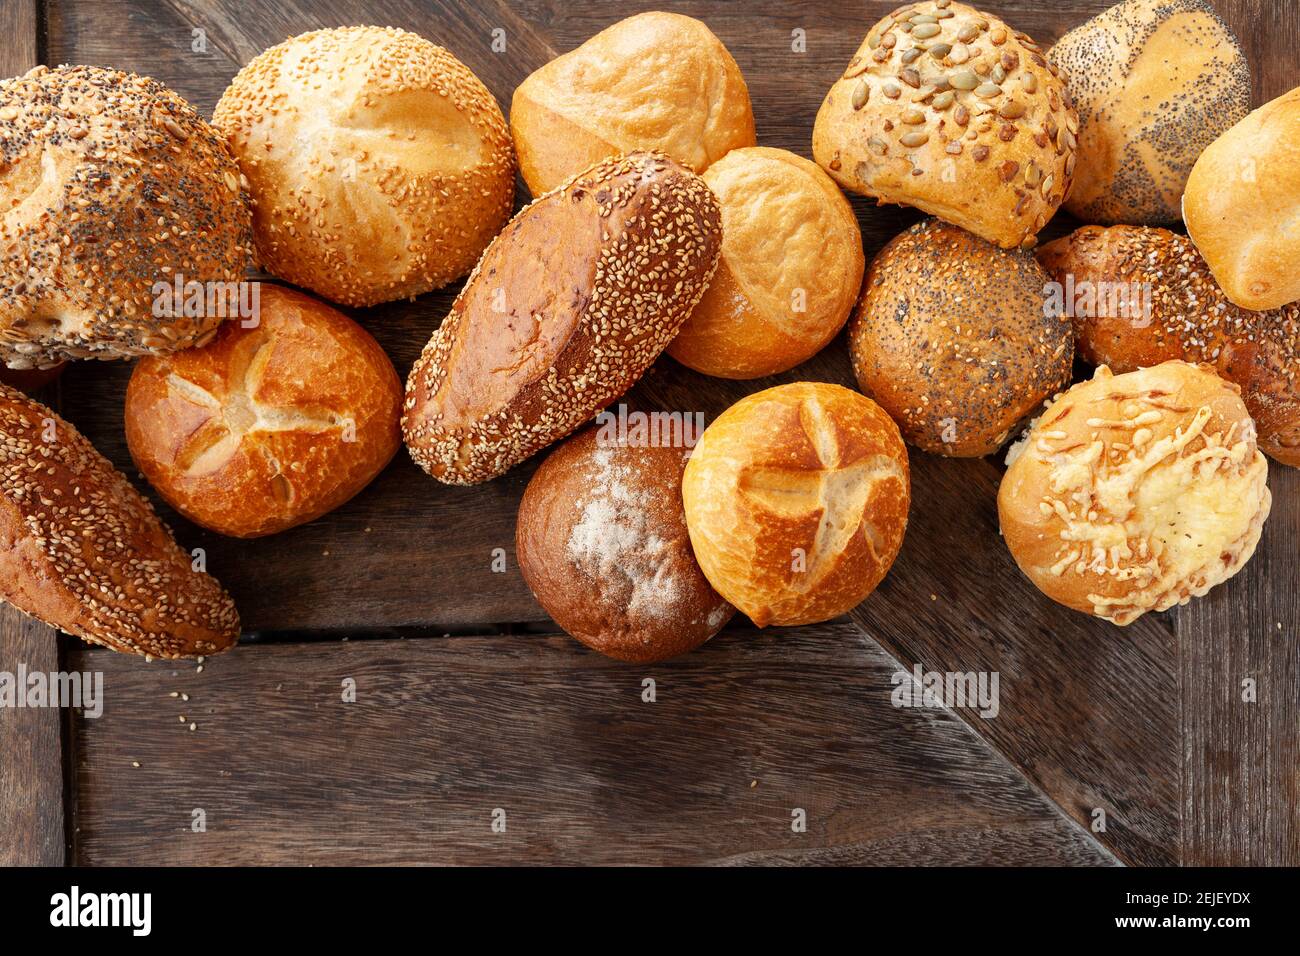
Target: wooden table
[470,707]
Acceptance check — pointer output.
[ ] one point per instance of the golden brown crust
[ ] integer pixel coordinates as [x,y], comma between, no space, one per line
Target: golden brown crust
[1136,492]
[1242,206]
[270,426]
[380,165]
[569,305]
[109,184]
[1189,318]
[82,550]
[796,499]
[952,339]
[655,81]
[790,271]
[602,543]
[1154,82]
[950,110]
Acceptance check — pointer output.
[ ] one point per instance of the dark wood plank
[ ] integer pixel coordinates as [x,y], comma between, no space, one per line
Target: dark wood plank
[31,746]
[445,731]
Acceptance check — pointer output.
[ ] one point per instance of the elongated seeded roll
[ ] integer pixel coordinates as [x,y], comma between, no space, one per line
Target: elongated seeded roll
[83,551]
[566,309]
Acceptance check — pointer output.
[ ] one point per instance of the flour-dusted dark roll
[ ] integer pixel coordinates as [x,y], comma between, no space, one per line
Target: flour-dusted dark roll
[602,542]
[82,550]
[569,305]
[952,338]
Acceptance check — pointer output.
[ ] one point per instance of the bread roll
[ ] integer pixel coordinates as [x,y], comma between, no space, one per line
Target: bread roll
[950,110]
[1136,492]
[81,550]
[602,542]
[109,184]
[790,270]
[1183,315]
[655,81]
[380,165]
[796,501]
[951,338]
[1154,82]
[269,426]
[1242,206]
[566,309]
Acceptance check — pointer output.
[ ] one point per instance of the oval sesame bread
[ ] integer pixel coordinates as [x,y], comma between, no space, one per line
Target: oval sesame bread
[1185,316]
[569,305]
[950,110]
[1136,492]
[81,549]
[1154,82]
[109,184]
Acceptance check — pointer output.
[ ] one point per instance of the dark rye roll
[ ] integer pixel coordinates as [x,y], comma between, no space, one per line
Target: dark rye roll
[1184,315]
[82,550]
[109,184]
[952,339]
[568,307]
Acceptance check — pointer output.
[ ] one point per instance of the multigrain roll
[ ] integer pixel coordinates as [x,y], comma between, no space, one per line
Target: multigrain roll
[602,543]
[380,165]
[790,271]
[1154,82]
[567,308]
[1136,492]
[952,339]
[950,110]
[1242,206]
[109,184]
[1180,313]
[655,81]
[271,425]
[81,549]
[796,500]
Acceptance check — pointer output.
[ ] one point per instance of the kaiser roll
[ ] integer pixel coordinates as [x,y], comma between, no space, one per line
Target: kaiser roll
[81,549]
[1154,82]
[380,165]
[952,339]
[655,81]
[796,500]
[950,110]
[1139,297]
[602,542]
[566,309]
[790,270]
[1242,206]
[1136,492]
[272,424]
[110,183]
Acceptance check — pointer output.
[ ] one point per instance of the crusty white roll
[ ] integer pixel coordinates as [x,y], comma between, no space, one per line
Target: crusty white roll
[1154,82]
[790,270]
[951,337]
[655,81]
[567,308]
[602,543]
[1143,296]
[796,500]
[950,110]
[1242,206]
[82,550]
[110,183]
[380,165]
[1136,492]
[274,423]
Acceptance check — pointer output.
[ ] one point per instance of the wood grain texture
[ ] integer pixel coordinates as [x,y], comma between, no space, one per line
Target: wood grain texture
[444,732]
[31,746]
